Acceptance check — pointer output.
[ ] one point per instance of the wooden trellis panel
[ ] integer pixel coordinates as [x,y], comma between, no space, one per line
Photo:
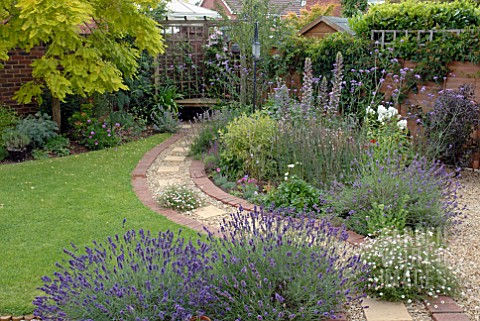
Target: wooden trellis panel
[182,62]
[387,37]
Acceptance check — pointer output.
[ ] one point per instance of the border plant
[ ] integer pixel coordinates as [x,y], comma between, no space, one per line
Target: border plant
[408,265]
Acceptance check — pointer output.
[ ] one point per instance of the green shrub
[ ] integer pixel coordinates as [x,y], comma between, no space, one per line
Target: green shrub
[3,153]
[296,194]
[179,198]
[164,121]
[417,15]
[40,154]
[208,125]
[424,192]
[249,139]
[58,146]
[8,118]
[15,140]
[39,128]
[407,266]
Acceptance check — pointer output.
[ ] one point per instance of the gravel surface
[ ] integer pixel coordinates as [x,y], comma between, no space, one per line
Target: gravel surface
[464,243]
[464,246]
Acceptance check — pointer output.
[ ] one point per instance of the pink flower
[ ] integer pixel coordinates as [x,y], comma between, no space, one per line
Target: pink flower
[218,169]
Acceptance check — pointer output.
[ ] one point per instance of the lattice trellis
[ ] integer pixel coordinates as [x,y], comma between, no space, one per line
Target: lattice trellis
[387,37]
[182,63]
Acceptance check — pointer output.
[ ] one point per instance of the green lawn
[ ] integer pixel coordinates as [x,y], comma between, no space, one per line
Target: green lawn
[45,205]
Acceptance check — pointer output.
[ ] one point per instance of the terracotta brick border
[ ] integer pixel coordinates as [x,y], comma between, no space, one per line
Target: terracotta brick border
[441,309]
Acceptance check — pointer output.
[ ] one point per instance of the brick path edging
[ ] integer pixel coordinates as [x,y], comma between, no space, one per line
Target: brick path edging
[140,186]
[442,308]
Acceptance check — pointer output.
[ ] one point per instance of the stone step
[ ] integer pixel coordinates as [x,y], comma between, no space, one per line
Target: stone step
[168,169]
[180,151]
[177,159]
[209,211]
[385,311]
[169,182]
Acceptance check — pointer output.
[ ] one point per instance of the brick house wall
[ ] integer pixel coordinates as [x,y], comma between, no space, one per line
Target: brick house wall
[15,72]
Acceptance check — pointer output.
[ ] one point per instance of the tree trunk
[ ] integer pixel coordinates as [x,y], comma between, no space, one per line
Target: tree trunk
[56,115]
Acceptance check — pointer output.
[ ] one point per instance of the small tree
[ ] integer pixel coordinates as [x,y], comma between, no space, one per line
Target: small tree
[351,8]
[308,15]
[91,45]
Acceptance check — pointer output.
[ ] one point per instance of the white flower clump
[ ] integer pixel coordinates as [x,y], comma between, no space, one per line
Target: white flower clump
[405,266]
[385,114]
[402,124]
[179,198]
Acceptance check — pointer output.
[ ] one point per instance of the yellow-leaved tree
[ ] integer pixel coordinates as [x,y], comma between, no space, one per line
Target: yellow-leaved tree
[91,45]
[307,16]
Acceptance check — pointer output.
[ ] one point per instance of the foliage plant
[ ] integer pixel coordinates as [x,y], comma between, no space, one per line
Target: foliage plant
[247,188]
[73,63]
[39,128]
[208,126]
[294,193]
[3,153]
[351,8]
[180,198]
[40,154]
[165,121]
[8,118]
[381,217]
[414,15]
[408,265]
[250,138]
[58,146]
[100,135]
[307,16]
[15,140]
[423,191]
[450,124]
[261,258]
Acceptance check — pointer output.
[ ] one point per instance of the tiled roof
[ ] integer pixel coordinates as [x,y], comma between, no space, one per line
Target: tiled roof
[339,24]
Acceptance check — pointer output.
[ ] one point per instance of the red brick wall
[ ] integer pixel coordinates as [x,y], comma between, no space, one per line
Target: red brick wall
[215,4]
[15,72]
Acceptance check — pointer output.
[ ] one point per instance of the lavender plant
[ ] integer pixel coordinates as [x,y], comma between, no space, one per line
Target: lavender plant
[263,267]
[134,277]
[276,268]
[424,191]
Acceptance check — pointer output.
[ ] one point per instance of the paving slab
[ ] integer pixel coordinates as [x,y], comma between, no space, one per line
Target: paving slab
[168,182]
[209,211]
[171,158]
[168,169]
[450,317]
[385,311]
[180,150]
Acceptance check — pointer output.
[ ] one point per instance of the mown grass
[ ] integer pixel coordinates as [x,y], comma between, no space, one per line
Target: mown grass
[45,205]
